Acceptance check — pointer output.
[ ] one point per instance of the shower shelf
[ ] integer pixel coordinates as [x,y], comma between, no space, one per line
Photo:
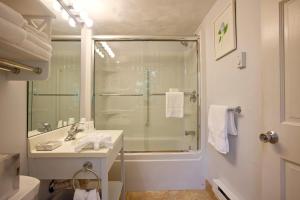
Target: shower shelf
[118,94]
[53,94]
[115,112]
[110,70]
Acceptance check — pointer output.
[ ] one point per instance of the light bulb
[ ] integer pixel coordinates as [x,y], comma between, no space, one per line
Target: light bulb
[76,6]
[83,15]
[72,22]
[88,22]
[65,15]
[56,6]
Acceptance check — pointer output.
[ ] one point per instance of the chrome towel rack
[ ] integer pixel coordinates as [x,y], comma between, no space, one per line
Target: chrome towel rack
[12,70]
[87,167]
[14,67]
[237,109]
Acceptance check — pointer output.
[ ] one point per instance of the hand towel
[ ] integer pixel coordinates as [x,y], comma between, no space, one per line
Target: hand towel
[80,194]
[11,33]
[93,195]
[11,15]
[86,195]
[217,128]
[174,104]
[231,125]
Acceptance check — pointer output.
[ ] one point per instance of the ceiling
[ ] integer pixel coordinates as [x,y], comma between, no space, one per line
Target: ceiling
[138,17]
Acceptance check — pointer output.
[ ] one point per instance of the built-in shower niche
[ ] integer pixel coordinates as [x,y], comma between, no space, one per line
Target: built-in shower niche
[130,93]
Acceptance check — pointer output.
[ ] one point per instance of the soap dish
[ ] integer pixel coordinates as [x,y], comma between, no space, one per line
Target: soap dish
[48,146]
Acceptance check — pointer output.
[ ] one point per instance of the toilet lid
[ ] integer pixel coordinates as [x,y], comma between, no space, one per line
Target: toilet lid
[29,188]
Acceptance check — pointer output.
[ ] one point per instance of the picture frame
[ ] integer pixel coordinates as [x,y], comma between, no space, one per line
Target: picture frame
[225,31]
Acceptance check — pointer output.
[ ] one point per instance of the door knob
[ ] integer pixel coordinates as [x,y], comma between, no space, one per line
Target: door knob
[270,136]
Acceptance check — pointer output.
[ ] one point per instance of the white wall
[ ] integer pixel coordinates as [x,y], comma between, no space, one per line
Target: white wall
[13,119]
[228,85]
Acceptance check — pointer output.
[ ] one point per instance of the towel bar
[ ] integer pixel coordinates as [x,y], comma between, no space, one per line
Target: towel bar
[237,109]
[87,167]
[14,67]
[12,70]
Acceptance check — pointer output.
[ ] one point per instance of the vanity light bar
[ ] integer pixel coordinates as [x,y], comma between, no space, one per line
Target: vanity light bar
[66,11]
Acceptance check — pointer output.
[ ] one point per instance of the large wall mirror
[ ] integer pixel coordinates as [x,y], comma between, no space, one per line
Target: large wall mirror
[54,103]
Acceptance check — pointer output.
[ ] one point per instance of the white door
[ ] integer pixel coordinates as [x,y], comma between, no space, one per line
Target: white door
[281,65]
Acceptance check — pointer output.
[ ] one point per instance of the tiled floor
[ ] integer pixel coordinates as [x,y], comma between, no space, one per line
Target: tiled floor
[171,195]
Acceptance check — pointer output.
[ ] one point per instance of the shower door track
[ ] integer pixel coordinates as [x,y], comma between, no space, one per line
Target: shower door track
[144,38]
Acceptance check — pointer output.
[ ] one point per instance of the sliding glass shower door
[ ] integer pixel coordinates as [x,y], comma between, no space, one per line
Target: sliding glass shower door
[131,81]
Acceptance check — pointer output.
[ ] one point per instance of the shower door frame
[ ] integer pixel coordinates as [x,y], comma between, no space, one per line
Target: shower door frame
[113,38]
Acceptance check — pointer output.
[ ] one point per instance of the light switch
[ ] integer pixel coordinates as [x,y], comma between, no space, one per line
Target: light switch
[241,60]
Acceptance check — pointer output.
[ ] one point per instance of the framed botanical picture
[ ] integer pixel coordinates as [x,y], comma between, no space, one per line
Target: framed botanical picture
[225,31]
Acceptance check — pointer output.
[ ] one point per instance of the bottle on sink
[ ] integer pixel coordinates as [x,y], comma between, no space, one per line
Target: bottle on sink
[82,124]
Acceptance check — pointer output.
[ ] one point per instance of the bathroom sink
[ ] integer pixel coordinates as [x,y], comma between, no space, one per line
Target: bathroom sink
[67,147]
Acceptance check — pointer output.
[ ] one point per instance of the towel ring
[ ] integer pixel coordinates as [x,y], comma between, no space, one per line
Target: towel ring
[87,167]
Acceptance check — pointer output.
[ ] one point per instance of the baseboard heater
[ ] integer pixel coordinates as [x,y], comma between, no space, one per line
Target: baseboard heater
[222,192]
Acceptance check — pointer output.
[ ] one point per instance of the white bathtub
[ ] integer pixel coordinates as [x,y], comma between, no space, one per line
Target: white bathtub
[162,171]
[155,144]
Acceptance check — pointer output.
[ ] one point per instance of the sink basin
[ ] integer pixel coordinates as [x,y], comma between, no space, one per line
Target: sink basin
[67,149]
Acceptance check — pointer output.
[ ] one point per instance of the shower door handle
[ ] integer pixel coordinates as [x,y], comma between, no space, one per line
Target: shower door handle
[193,97]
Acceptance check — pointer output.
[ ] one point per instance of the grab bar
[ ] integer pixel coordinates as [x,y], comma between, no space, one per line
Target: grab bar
[87,167]
[16,67]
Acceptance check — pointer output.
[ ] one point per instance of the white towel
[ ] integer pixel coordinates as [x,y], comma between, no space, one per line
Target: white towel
[36,40]
[217,128]
[231,125]
[36,50]
[174,104]
[11,15]
[93,195]
[86,195]
[11,33]
[93,141]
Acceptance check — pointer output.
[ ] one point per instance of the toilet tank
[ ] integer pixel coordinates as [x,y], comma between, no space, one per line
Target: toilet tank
[9,175]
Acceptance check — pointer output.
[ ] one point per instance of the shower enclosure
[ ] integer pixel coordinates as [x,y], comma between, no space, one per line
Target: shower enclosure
[131,79]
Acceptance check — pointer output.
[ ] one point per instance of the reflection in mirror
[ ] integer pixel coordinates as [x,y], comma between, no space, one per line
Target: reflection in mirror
[54,103]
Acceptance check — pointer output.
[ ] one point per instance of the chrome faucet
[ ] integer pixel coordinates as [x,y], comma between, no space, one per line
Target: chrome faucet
[73,132]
